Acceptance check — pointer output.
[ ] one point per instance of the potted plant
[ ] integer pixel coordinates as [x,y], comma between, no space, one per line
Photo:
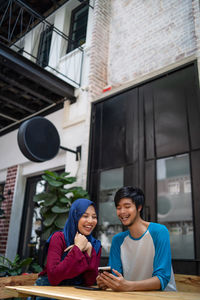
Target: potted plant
[11,273]
[56,201]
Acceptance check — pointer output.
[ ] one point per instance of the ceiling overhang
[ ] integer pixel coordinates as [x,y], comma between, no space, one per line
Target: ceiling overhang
[26,89]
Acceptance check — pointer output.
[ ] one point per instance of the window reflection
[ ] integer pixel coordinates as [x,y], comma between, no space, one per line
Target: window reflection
[108,223]
[174,204]
[37,218]
[174,188]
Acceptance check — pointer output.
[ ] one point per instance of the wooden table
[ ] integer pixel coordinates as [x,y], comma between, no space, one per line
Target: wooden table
[71,293]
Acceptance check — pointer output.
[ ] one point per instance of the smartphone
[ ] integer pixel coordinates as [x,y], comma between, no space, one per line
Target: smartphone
[102,269]
[91,288]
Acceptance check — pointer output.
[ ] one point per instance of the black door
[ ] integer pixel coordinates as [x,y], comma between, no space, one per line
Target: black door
[30,243]
[148,136]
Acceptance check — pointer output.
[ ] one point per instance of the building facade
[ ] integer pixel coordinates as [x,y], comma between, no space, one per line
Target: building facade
[135,74]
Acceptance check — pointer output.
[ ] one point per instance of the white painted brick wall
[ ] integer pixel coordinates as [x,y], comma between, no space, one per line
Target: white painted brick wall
[147,35]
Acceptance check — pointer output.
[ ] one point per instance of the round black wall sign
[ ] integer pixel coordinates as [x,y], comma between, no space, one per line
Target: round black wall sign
[38,139]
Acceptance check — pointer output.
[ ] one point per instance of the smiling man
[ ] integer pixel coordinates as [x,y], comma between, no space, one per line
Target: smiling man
[140,257]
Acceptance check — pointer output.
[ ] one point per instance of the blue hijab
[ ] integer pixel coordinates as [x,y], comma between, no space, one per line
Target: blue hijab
[77,209]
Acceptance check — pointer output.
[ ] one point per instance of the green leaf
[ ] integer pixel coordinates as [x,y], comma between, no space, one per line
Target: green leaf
[4,267]
[44,210]
[64,174]
[14,273]
[59,210]
[69,180]
[15,267]
[46,233]
[16,259]
[51,181]
[40,197]
[52,174]
[36,268]
[65,200]
[79,192]
[26,262]
[49,220]
[5,261]
[50,201]
[64,191]
[61,220]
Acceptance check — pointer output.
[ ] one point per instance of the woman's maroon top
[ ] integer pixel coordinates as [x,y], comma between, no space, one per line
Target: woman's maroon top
[74,264]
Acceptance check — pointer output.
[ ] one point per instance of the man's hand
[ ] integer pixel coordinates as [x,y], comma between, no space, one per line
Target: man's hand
[118,284]
[80,241]
[101,283]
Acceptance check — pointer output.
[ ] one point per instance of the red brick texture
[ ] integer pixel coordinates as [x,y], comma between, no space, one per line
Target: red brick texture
[6,206]
[99,48]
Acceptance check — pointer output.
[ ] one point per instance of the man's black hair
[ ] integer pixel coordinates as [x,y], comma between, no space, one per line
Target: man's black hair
[135,194]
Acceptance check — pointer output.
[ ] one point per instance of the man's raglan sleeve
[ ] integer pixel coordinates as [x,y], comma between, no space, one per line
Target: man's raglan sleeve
[115,257]
[162,259]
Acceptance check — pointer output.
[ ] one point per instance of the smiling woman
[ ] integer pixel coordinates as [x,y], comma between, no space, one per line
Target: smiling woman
[88,221]
[73,253]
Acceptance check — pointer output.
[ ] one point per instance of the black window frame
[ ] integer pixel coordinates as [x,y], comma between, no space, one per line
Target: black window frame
[21,51]
[44,47]
[75,43]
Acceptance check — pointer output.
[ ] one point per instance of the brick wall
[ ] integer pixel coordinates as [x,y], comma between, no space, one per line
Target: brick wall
[99,47]
[6,206]
[97,77]
[146,36]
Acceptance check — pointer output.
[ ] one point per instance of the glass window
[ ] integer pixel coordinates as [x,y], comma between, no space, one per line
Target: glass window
[44,47]
[37,218]
[78,28]
[174,204]
[108,222]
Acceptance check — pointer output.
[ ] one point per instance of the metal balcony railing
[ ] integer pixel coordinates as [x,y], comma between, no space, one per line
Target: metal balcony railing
[18,21]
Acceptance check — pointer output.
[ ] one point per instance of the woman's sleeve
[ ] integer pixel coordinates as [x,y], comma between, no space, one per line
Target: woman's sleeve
[71,266]
[91,274]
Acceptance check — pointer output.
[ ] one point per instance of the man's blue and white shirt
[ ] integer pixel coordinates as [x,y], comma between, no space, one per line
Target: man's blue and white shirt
[145,257]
